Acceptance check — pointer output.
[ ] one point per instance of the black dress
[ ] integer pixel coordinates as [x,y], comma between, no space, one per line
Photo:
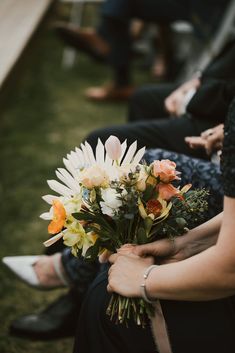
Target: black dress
[194,327]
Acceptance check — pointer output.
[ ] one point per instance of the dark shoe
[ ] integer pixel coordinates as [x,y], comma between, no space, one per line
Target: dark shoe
[86,40]
[56,321]
[109,93]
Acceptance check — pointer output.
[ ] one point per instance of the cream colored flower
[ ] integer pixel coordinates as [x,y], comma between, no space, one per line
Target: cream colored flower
[83,166]
[94,176]
[142,179]
[110,203]
[83,158]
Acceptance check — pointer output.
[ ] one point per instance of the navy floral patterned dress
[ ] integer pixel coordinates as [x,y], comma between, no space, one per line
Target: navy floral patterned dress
[194,327]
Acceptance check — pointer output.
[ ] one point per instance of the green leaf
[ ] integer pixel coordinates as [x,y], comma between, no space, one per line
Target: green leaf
[129,216]
[82,216]
[148,192]
[93,251]
[148,222]
[181,222]
[141,236]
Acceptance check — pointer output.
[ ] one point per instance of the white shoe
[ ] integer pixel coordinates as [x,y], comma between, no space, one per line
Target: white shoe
[23,267]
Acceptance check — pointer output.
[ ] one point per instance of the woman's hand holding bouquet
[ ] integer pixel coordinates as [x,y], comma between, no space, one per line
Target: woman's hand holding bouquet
[110,199]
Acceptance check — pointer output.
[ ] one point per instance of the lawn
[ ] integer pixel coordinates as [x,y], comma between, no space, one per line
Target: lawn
[44,116]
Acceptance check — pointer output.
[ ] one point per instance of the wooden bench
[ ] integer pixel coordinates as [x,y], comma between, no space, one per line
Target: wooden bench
[18,21]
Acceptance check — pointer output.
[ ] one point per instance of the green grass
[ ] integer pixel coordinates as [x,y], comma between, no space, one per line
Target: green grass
[44,116]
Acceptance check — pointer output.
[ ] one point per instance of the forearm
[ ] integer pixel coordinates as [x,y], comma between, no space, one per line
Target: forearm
[199,238]
[206,276]
[199,278]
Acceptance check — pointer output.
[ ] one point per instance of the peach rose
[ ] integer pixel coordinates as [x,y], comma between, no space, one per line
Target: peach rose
[167,191]
[165,170]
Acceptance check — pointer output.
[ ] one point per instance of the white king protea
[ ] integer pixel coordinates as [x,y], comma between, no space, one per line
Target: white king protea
[84,169]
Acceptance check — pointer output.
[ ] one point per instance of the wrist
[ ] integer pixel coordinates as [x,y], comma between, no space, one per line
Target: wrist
[182,246]
[143,286]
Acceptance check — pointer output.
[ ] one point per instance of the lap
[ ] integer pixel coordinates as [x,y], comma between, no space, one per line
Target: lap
[193,326]
[161,133]
[201,327]
[97,334]
[147,102]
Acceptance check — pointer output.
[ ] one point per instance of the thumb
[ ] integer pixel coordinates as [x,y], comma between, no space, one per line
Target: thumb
[142,250]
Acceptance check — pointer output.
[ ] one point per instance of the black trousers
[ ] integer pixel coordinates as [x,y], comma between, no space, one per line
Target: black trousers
[152,127]
[115,22]
[194,327]
[163,133]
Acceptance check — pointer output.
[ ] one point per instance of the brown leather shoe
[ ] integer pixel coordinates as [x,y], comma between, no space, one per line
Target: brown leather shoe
[85,40]
[109,93]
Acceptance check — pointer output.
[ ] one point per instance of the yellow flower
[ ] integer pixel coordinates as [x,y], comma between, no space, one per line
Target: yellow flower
[74,234]
[76,238]
[155,209]
[165,210]
[185,188]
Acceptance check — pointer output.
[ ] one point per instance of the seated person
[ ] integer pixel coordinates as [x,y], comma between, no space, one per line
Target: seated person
[112,41]
[59,270]
[157,119]
[196,293]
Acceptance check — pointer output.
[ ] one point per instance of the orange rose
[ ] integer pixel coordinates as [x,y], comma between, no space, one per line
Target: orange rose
[167,191]
[165,170]
[154,207]
[59,217]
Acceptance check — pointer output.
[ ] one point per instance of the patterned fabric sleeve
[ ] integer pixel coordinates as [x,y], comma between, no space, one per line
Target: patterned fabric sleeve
[228,155]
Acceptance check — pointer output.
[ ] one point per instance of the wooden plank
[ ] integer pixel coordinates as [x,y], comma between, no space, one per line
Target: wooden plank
[83,1]
[18,21]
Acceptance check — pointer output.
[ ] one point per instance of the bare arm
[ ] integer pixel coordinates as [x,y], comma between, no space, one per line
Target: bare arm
[193,242]
[206,276]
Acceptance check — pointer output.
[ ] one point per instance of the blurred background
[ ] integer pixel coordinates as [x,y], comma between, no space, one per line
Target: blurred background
[43,115]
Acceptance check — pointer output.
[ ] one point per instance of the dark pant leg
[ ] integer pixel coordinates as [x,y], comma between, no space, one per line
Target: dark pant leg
[162,133]
[80,272]
[97,334]
[194,327]
[115,21]
[148,10]
[201,327]
[147,103]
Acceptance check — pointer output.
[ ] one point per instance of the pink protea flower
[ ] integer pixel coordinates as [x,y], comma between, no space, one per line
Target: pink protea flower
[113,148]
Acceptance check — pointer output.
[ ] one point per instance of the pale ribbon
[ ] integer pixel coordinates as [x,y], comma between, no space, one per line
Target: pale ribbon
[159,330]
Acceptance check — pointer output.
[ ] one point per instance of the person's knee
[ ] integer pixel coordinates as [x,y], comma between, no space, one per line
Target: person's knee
[136,104]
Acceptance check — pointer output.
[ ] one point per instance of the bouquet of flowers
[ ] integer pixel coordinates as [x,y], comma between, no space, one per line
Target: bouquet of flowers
[109,199]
